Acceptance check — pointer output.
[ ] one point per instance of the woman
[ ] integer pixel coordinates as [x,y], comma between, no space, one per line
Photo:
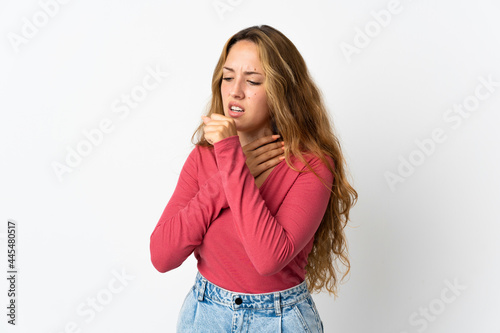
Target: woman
[262,200]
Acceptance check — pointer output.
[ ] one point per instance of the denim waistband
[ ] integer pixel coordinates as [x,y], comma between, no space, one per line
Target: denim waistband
[237,300]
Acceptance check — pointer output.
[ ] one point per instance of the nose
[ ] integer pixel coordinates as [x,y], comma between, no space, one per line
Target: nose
[236,90]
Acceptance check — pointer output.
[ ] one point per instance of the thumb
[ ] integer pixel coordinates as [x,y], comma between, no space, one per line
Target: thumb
[205,119]
[218,116]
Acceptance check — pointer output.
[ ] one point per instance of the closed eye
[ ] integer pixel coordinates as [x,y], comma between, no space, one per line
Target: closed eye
[253,83]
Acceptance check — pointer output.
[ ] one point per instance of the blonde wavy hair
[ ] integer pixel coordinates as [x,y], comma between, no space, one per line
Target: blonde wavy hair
[298,114]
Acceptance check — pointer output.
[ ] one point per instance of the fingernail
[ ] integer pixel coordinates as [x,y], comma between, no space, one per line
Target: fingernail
[276,136]
[282,143]
[282,158]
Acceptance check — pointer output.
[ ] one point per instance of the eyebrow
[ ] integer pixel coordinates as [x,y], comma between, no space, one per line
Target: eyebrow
[246,72]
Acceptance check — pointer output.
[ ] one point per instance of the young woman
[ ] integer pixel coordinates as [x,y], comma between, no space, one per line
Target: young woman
[262,199]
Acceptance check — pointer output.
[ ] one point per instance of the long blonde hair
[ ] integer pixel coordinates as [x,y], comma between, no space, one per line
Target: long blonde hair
[298,114]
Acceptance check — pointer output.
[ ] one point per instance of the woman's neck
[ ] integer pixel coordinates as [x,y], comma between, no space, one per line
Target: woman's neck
[247,137]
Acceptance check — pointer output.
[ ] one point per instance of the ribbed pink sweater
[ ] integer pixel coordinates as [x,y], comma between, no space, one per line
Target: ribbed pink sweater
[246,239]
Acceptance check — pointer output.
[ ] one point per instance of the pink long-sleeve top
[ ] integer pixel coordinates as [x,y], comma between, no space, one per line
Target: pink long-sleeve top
[246,239]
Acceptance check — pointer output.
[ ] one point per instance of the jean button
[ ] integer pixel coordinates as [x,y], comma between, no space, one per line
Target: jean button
[238,301]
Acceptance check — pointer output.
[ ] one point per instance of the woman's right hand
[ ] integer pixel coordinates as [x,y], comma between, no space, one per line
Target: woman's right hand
[263,154]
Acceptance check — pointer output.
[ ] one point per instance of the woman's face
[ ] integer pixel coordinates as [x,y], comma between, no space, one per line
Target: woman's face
[243,94]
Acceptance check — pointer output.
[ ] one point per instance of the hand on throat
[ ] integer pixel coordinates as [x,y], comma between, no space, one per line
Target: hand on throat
[247,137]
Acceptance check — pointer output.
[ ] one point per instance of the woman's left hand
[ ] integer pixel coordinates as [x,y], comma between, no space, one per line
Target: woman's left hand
[263,154]
[218,127]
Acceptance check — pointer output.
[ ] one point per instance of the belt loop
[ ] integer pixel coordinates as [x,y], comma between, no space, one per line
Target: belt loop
[277,304]
[201,291]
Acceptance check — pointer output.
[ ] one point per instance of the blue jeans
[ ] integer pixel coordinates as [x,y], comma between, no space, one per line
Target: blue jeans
[209,308]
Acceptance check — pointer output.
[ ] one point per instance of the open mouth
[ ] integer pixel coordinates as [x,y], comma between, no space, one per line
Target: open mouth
[236,109]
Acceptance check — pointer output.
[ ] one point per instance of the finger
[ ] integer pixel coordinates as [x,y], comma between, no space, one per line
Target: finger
[268,147]
[268,155]
[255,161]
[223,120]
[260,142]
[210,121]
[212,136]
[218,120]
[211,128]
[220,125]
[265,152]
[206,119]
[268,164]
[217,130]
[217,116]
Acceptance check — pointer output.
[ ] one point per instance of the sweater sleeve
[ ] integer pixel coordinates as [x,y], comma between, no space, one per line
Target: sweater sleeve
[271,242]
[186,217]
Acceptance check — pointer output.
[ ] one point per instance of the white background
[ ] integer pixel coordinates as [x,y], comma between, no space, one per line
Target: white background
[408,243]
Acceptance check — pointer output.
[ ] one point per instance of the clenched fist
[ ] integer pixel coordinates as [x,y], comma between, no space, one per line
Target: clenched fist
[218,127]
